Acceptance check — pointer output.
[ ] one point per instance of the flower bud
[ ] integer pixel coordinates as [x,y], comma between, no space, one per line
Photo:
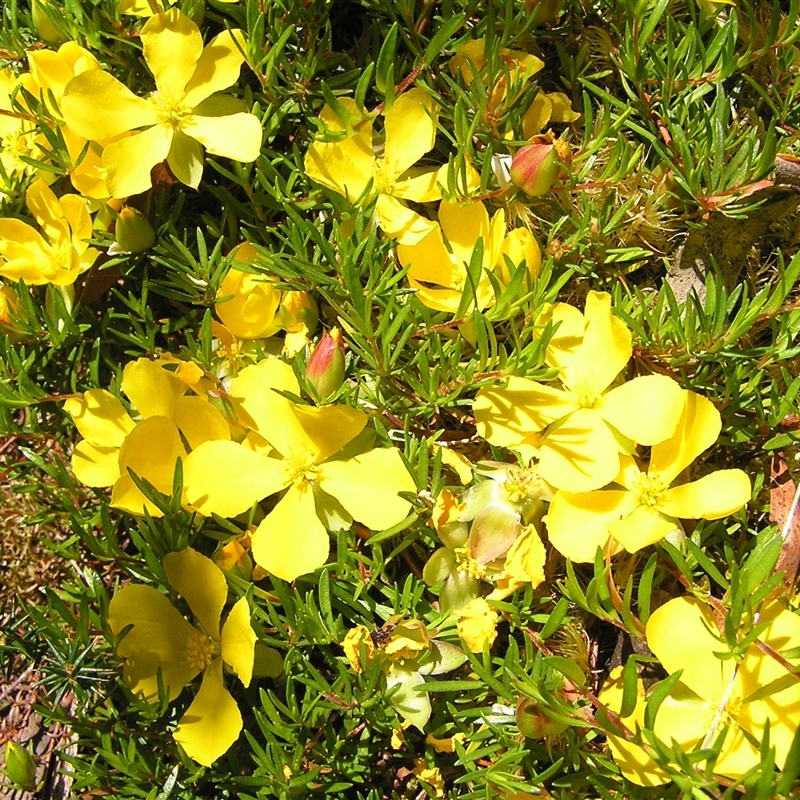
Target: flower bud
[9,305]
[533,723]
[233,558]
[541,12]
[20,766]
[537,166]
[134,232]
[325,368]
[45,28]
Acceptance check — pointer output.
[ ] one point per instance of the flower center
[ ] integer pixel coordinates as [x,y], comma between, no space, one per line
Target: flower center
[200,649]
[170,110]
[586,396]
[385,176]
[302,468]
[14,145]
[648,489]
[466,563]
[521,484]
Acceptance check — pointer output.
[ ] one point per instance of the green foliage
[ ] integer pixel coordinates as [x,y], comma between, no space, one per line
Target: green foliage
[683,114]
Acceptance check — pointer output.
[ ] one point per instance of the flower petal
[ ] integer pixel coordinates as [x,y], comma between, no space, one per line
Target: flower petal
[579,453]
[217,68]
[400,222]
[198,421]
[236,136]
[463,224]
[129,160]
[226,478]
[201,583]
[97,106]
[477,625]
[646,409]
[507,416]
[326,430]
[632,759]
[239,641]
[410,131]
[172,47]
[368,485]
[185,158]
[152,389]
[604,352]
[712,497]
[642,527]
[526,558]
[252,390]
[291,541]
[150,451]
[100,417]
[430,261]
[95,466]
[346,166]
[577,524]
[683,635]
[213,722]
[698,429]
[158,641]
[250,312]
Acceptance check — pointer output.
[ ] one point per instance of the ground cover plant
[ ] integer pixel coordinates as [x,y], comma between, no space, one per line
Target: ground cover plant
[399,399]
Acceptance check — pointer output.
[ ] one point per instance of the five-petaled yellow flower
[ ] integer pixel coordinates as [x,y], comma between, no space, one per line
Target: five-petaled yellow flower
[60,252]
[743,695]
[348,167]
[292,447]
[163,647]
[175,122]
[580,450]
[646,506]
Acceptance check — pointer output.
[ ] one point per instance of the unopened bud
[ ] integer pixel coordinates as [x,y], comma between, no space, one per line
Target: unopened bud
[325,368]
[537,166]
[134,232]
[44,25]
[9,305]
[540,12]
[233,558]
[20,766]
[533,723]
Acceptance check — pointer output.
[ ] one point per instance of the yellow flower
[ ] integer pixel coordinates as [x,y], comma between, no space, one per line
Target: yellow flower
[113,443]
[518,68]
[250,310]
[647,508]
[477,625]
[350,166]
[431,775]
[580,450]
[17,134]
[632,759]
[290,447]
[50,72]
[176,121]
[353,640]
[519,247]
[60,252]
[438,272]
[163,647]
[714,692]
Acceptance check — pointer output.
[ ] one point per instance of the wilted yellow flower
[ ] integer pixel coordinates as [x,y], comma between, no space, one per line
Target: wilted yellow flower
[184,115]
[163,647]
[477,625]
[57,255]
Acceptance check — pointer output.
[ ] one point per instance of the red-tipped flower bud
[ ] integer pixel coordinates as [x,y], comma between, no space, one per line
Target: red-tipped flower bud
[134,232]
[325,368]
[20,766]
[537,166]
